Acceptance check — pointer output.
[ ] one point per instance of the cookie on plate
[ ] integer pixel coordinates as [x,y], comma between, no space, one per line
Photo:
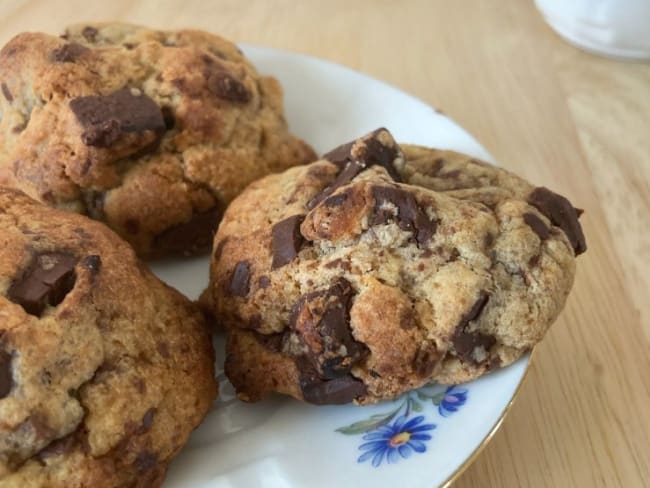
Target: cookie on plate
[152,132]
[378,269]
[104,370]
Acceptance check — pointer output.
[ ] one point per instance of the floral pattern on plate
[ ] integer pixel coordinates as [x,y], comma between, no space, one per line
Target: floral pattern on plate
[400,432]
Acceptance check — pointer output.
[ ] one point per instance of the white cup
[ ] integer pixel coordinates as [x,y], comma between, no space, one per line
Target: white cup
[619,28]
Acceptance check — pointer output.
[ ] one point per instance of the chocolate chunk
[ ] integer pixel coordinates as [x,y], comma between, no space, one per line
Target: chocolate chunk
[168,117]
[321,320]
[410,217]
[339,263]
[226,86]
[333,392]
[340,155]
[264,282]
[90,33]
[58,447]
[68,53]
[560,211]
[425,360]
[348,173]
[147,420]
[6,375]
[464,341]
[287,240]
[190,237]
[219,249]
[106,117]
[47,281]
[372,152]
[240,279]
[7,93]
[336,200]
[145,461]
[92,262]
[537,225]
[376,153]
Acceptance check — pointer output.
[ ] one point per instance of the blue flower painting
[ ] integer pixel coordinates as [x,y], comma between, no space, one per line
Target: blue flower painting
[394,435]
[399,440]
[455,397]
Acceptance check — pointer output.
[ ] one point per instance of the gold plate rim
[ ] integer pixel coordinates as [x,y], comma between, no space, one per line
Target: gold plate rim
[497,425]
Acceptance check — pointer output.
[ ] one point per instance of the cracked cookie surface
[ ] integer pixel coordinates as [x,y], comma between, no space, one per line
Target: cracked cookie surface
[104,370]
[152,132]
[381,268]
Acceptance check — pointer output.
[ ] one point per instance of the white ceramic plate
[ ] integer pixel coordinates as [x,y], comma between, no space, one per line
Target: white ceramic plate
[420,440]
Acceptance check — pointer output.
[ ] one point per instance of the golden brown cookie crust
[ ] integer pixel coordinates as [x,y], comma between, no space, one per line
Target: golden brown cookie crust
[104,378]
[378,269]
[153,132]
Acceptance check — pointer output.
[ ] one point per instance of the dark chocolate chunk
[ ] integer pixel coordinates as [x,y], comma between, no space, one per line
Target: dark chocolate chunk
[348,173]
[338,391]
[263,282]
[219,249]
[410,217]
[47,281]
[372,152]
[322,321]
[58,447]
[147,420]
[560,211]
[286,240]
[89,33]
[537,225]
[226,86]
[190,237]
[376,153]
[168,117]
[145,461]
[105,117]
[92,262]
[68,53]
[464,341]
[336,200]
[7,93]
[6,375]
[240,279]
[425,361]
[340,155]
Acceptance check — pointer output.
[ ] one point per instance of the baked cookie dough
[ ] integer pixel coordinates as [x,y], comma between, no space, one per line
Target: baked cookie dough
[152,132]
[381,268]
[104,370]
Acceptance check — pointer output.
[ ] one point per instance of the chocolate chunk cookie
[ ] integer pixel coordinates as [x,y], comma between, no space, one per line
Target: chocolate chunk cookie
[152,132]
[104,370]
[380,268]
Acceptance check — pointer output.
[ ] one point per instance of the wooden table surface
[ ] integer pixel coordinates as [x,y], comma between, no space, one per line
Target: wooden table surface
[563,118]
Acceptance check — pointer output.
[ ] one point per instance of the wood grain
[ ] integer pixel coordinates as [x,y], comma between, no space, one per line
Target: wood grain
[561,117]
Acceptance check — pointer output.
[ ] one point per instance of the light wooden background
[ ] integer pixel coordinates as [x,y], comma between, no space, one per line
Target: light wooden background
[572,121]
